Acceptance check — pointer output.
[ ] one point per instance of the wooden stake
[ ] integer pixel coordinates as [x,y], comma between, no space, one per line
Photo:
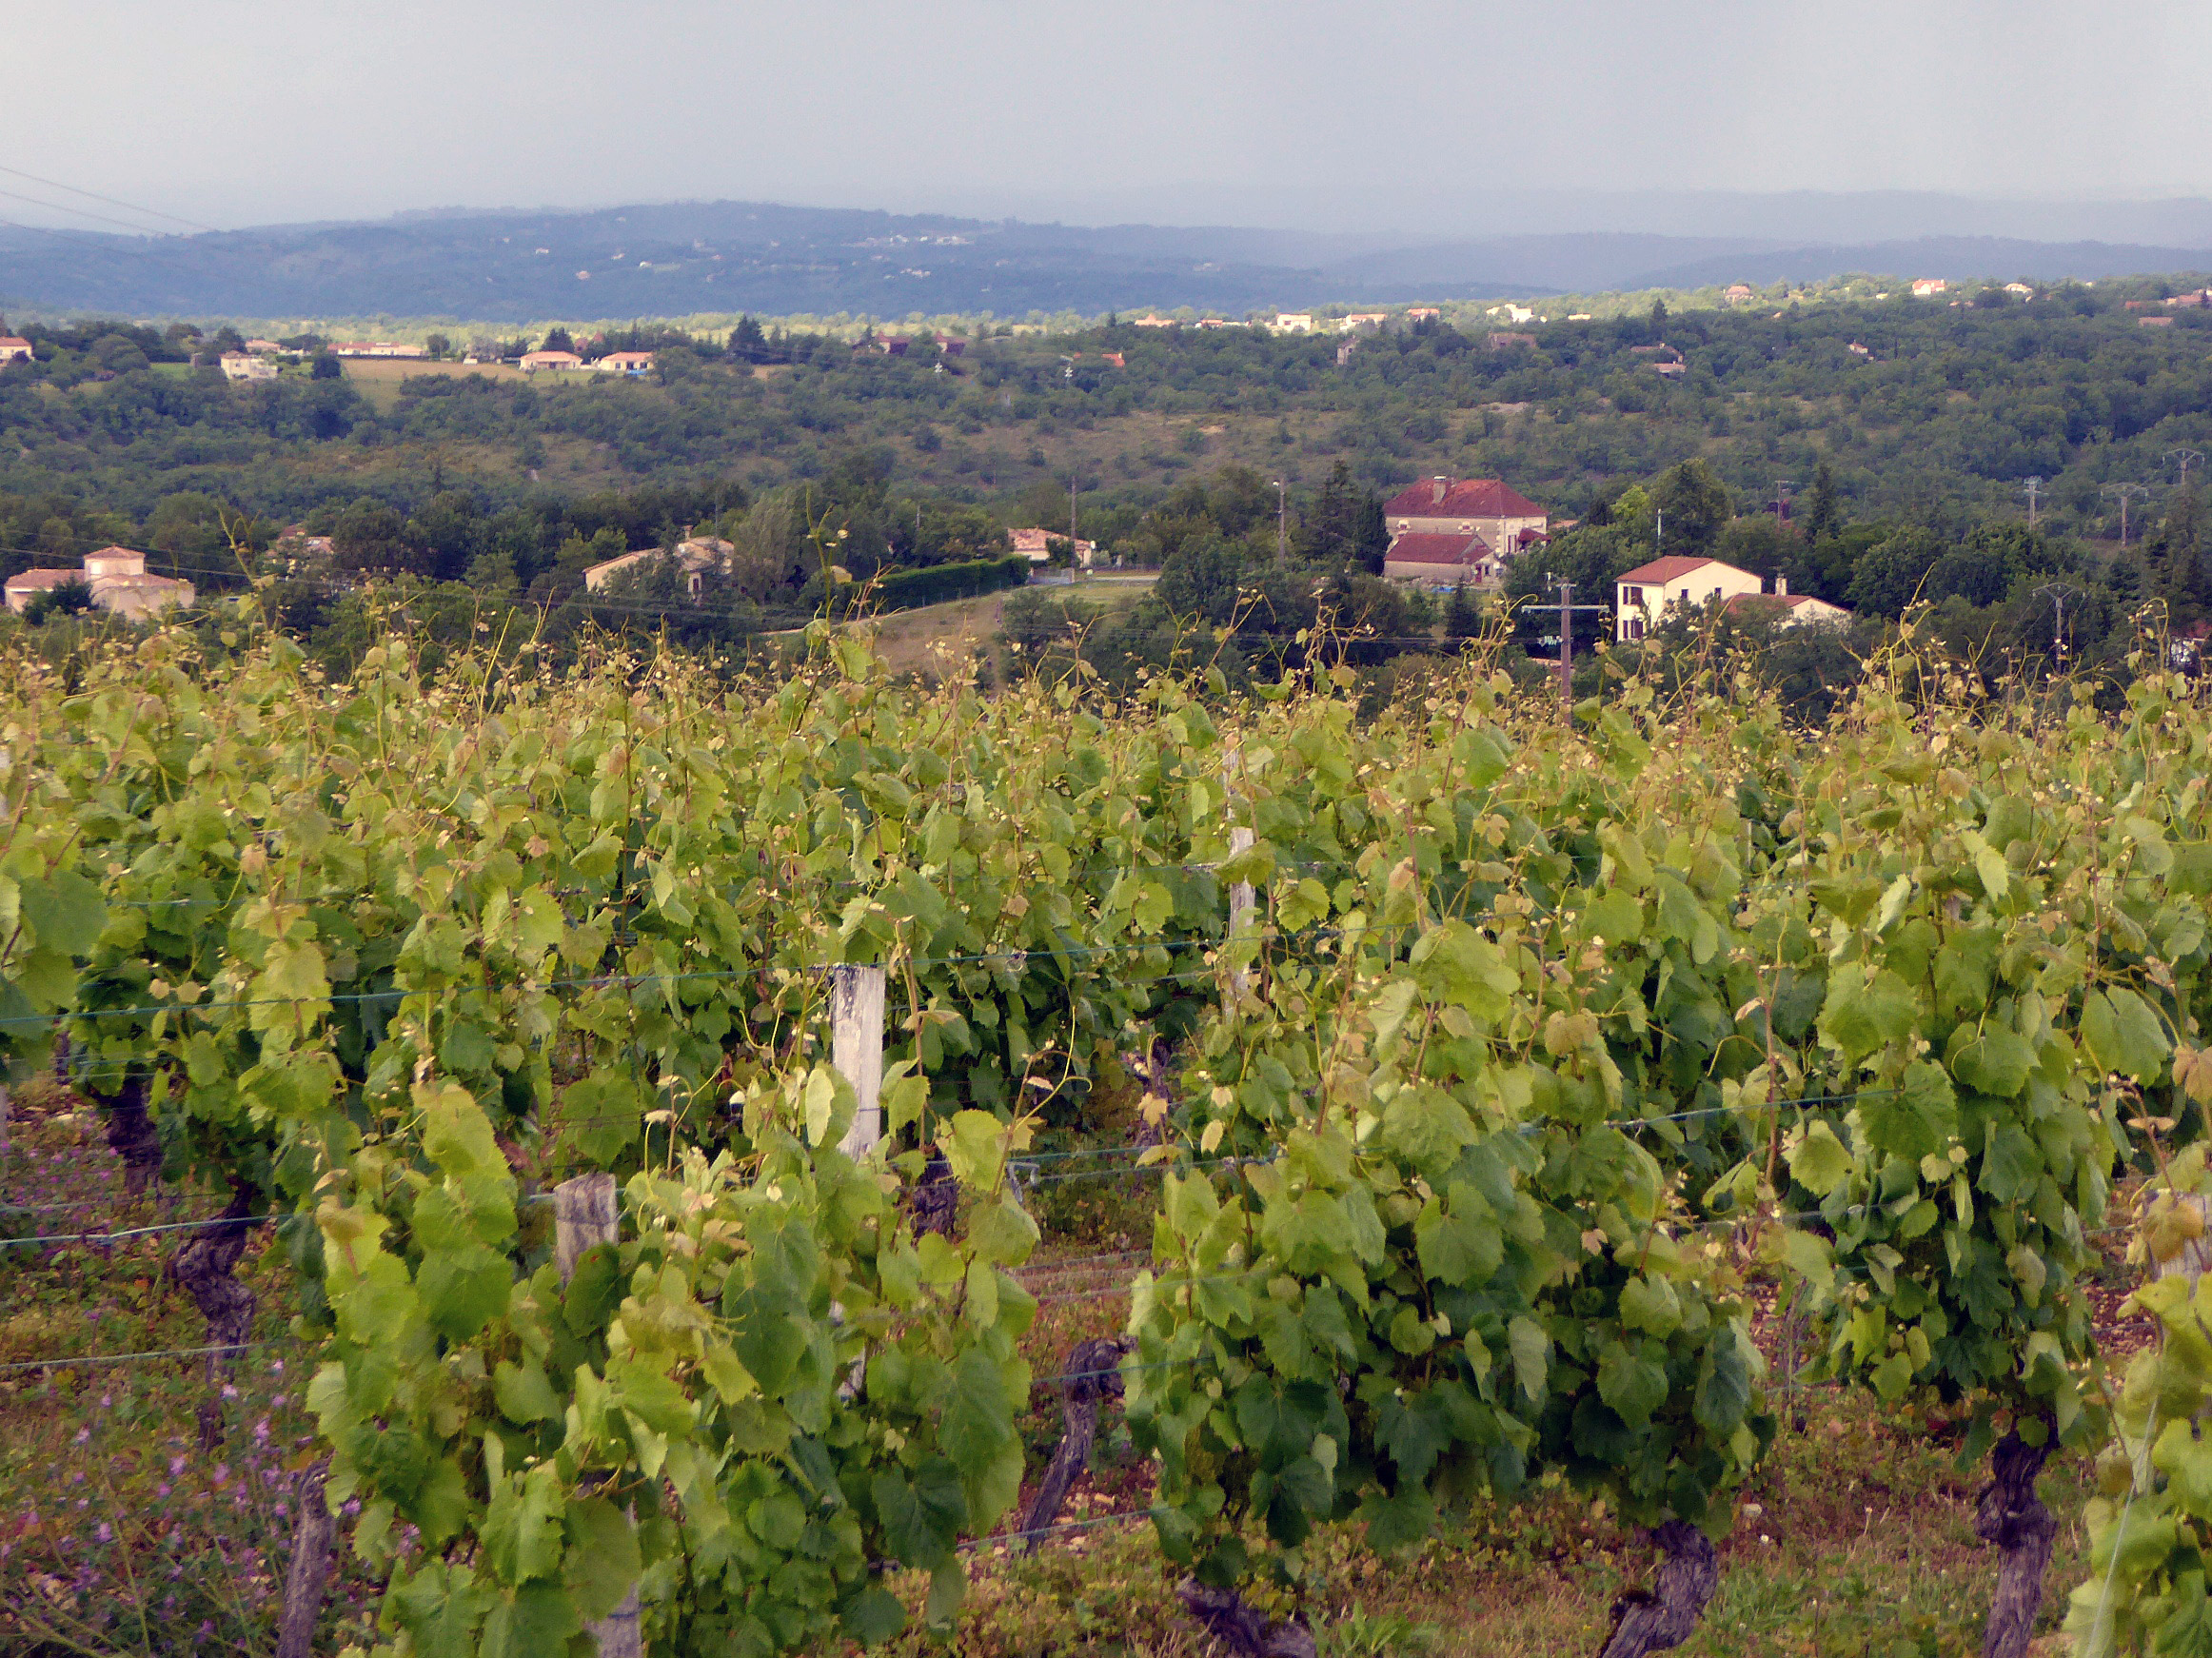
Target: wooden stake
[585,1214]
[856,1049]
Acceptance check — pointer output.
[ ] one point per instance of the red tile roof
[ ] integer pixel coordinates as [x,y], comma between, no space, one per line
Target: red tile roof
[1432,549]
[37,581]
[1463,498]
[1780,601]
[1663,570]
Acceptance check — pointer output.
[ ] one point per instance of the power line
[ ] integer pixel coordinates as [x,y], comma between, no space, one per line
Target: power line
[81,212]
[111,201]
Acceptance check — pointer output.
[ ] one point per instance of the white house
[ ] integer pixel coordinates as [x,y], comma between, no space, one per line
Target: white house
[1294,323]
[14,348]
[118,582]
[1644,595]
[694,556]
[1790,609]
[243,365]
[625,363]
[536,362]
[378,349]
[1035,545]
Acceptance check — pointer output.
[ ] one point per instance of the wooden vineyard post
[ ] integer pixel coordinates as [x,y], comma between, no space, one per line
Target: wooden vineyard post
[856,1049]
[585,1213]
[1243,901]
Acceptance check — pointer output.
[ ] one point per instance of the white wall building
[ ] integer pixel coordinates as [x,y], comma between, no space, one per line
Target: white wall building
[1642,597]
[118,582]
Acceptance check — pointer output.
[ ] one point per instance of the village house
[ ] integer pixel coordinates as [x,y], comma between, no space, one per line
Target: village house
[1423,313]
[694,556]
[1154,320]
[1362,320]
[13,348]
[1790,609]
[1643,596]
[118,582]
[1447,530]
[378,349]
[1035,545]
[540,362]
[625,363]
[243,365]
[264,348]
[1291,322]
[1929,287]
[1737,293]
[2020,291]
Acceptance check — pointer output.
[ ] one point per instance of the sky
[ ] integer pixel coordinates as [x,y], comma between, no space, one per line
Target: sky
[1381,115]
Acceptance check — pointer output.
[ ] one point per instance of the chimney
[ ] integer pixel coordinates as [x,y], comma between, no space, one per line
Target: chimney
[1781,587]
[1437,486]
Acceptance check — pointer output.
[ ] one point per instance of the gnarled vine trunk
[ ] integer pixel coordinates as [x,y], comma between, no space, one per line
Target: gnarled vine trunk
[1655,1619]
[308,1578]
[131,1132]
[1223,1616]
[2010,1516]
[203,1267]
[1094,1373]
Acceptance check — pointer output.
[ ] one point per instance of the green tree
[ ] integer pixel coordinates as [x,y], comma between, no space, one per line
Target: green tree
[1694,504]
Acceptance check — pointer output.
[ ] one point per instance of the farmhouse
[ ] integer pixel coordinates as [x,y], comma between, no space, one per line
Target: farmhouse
[15,349]
[555,362]
[1929,287]
[1035,545]
[694,556]
[1486,521]
[118,582]
[625,363]
[1788,609]
[1293,323]
[378,349]
[1643,596]
[242,366]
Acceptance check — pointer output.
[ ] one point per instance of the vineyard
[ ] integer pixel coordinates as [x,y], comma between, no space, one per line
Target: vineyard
[659,1118]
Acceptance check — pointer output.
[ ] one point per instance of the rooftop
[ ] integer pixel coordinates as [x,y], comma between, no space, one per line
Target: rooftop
[1462,498]
[1660,571]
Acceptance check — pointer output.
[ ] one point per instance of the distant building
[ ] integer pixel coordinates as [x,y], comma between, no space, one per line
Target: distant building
[1928,287]
[1358,320]
[1441,561]
[1512,313]
[1642,597]
[1291,322]
[952,344]
[1422,314]
[242,366]
[264,348]
[1484,522]
[540,362]
[1737,293]
[2019,290]
[1113,357]
[1035,545]
[694,556]
[1858,350]
[2195,297]
[378,349]
[1790,609]
[1673,367]
[625,363]
[1154,320]
[2154,322]
[118,582]
[15,350]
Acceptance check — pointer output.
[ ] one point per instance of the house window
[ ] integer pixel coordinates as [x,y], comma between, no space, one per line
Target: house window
[1633,596]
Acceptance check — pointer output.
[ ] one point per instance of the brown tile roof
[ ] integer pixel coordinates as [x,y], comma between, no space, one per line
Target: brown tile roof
[1663,570]
[34,581]
[1463,498]
[1435,550]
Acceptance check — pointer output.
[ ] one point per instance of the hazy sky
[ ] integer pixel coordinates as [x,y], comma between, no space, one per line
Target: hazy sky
[243,112]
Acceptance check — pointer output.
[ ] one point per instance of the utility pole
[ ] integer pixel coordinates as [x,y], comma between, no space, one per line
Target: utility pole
[1566,652]
[1659,530]
[2057,592]
[2184,458]
[1074,552]
[2127,492]
[2032,486]
[1781,500]
[1282,519]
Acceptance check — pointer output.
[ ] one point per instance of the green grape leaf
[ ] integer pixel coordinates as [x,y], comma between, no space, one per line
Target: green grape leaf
[1919,1118]
[523,1393]
[603,1561]
[1633,1385]
[534,1621]
[2124,1034]
[65,911]
[1861,1015]
[1995,1061]
[1820,1162]
[873,1616]
[1650,1305]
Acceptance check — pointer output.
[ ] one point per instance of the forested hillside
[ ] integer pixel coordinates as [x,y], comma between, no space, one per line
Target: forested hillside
[1869,452]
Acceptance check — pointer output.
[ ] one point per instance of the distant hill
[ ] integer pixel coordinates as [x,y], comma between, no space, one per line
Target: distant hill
[1954,258]
[681,258]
